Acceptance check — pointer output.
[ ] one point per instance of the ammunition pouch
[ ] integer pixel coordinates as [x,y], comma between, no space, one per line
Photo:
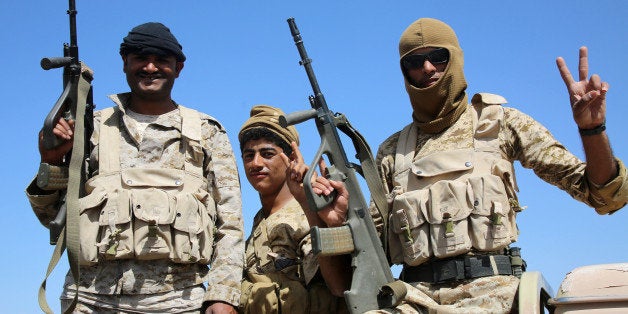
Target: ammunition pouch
[147,213]
[450,200]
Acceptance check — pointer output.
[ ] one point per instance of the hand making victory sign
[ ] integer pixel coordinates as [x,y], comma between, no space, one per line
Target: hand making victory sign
[588,105]
[587,96]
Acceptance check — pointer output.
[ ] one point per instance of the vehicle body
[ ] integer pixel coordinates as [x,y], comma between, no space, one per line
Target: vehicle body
[601,288]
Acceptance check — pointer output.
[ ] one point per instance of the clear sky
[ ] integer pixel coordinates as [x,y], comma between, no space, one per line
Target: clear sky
[241,53]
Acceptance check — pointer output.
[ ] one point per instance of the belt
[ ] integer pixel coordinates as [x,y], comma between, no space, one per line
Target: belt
[458,268]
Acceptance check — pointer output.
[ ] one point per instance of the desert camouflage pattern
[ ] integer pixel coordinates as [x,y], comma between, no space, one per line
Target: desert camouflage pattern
[183,301]
[294,289]
[157,146]
[287,235]
[520,138]
[523,139]
[495,294]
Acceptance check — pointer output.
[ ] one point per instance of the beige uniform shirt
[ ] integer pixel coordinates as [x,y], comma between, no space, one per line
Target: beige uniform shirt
[286,238]
[157,146]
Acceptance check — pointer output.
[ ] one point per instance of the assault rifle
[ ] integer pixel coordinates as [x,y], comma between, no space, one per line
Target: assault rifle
[75,103]
[372,284]
[72,104]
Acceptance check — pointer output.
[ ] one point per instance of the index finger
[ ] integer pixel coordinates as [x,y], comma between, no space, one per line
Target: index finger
[323,167]
[564,72]
[583,64]
[285,159]
[297,153]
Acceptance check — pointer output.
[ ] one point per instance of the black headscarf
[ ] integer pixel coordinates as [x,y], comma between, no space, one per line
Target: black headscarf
[152,38]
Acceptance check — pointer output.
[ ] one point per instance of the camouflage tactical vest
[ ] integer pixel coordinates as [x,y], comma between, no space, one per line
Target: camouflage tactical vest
[143,213]
[450,202]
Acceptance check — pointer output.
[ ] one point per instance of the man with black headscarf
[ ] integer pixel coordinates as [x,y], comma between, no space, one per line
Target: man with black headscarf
[163,196]
[450,179]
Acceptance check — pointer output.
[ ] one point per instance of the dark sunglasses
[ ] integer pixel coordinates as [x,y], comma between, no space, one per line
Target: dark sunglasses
[416,61]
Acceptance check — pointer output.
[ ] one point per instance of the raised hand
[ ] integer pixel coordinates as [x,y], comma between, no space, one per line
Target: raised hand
[587,95]
[64,131]
[335,213]
[295,171]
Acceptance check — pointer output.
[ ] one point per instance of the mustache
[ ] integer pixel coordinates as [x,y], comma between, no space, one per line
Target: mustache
[152,75]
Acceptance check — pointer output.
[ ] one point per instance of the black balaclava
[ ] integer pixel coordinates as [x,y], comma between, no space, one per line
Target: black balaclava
[152,38]
[440,105]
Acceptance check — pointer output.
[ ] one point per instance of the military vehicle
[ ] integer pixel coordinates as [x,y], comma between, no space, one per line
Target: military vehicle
[601,288]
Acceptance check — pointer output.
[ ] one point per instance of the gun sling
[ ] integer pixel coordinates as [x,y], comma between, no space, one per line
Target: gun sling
[69,237]
[458,268]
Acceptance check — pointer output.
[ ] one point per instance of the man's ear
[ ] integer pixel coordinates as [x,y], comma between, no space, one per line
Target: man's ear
[123,63]
[179,67]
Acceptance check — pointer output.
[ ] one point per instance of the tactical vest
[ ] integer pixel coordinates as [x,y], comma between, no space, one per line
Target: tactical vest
[452,202]
[143,213]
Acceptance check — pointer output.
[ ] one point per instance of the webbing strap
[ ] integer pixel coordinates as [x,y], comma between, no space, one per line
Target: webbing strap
[191,130]
[404,154]
[56,255]
[370,174]
[109,141]
[69,237]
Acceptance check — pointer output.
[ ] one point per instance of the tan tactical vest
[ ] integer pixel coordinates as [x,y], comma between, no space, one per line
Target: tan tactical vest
[147,214]
[452,202]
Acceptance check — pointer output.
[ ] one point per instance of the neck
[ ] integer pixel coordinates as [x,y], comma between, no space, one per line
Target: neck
[271,203]
[151,106]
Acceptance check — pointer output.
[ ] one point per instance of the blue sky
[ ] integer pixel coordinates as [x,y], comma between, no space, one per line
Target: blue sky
[240,53]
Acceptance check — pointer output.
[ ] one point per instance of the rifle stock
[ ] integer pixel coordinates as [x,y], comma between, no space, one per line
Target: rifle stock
[371,272]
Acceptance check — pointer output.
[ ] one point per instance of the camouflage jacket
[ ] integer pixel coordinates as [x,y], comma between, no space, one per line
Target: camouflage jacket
[158,147]
[526,140]
[285,242]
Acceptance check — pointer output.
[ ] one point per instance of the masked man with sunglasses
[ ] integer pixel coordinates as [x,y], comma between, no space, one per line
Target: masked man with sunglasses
[450,181]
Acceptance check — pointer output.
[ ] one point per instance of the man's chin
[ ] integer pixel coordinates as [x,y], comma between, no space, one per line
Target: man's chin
[149,91]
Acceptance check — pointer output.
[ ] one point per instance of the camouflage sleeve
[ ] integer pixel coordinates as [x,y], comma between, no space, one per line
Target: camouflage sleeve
[225,273]
[43,203]
[534,146]
[613,195]
[308,259]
